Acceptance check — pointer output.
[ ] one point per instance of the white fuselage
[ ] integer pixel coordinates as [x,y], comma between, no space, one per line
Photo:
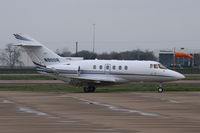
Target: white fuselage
[118,71]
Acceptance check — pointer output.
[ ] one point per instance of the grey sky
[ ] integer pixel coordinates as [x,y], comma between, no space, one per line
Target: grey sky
[120,24]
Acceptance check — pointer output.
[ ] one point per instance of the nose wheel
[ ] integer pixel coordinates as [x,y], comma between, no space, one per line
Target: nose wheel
[160,89]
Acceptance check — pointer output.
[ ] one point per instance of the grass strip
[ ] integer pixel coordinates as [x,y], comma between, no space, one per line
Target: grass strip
[42,77]
[17,71]
[114,88]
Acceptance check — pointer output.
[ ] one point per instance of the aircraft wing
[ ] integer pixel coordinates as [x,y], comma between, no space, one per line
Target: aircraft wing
[99,79]
[96,79]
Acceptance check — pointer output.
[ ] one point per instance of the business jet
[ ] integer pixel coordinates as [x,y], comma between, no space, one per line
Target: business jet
[92,73]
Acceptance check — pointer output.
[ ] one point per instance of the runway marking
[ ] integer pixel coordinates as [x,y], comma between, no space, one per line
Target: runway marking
[6,101]
[164,99]
[171,101]
[38,113]
[112,107]
[28,110]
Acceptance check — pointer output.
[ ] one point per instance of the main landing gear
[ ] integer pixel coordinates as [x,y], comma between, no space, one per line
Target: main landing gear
[160,89]
[89,89]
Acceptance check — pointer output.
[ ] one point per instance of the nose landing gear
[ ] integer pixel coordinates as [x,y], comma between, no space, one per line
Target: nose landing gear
[160,89]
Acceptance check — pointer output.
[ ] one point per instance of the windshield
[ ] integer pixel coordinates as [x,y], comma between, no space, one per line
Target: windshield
[161,66]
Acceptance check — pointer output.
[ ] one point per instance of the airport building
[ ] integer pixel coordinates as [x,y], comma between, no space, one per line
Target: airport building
[167,59]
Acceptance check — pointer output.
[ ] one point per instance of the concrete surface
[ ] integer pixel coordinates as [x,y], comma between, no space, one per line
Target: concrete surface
[174,112]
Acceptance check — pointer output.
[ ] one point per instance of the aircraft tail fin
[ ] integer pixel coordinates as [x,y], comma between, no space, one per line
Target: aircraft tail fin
[40,55]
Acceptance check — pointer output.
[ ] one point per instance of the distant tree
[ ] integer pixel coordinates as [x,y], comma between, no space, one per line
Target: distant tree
[11,56]
[127,55]
[115,55]
[65,52]
[137,55]
[104,55]
[86,54]
[58,52]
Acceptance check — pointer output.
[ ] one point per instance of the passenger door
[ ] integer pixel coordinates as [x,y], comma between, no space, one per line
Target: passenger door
[107,68]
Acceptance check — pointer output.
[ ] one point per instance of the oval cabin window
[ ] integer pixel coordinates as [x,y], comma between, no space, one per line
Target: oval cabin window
[126,67]
[120,67]
[113,67]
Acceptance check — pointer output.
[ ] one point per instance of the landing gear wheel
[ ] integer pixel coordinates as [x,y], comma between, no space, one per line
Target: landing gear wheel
[160,89]
[92,89]
[89,89]
[86,89]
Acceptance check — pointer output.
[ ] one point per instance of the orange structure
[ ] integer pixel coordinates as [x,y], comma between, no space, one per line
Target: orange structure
[182,54]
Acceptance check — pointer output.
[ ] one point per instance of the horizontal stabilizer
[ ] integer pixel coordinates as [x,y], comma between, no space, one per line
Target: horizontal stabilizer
[28,45]
[26,40]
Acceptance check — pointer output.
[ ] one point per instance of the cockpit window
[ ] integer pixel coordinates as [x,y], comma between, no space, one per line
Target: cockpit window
[156,66]
[151,65]
[161,66]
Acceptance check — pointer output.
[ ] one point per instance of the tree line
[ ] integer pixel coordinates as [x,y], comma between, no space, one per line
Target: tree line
[126,55]
[11,56]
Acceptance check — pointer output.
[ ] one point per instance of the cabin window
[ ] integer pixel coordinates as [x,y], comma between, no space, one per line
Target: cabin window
[151,65]
[156,66]
[100,67]
[120,67]
[94,66]
[126,67]
[113,67]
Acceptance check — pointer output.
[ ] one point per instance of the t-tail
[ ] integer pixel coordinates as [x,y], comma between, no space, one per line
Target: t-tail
[41,56]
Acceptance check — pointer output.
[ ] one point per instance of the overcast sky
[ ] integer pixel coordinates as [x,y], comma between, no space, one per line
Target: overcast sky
[120,24]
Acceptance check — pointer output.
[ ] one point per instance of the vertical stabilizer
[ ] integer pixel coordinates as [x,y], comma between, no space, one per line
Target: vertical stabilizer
[40,54]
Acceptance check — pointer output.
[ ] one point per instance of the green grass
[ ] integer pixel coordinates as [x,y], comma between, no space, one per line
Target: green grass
[192,78]
[115,88]
[41,77]
[41,88]
[17,71]
[189,71]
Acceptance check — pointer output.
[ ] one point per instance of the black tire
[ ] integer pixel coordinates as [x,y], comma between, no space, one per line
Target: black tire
[160,90]
[89,89]
[86,89]
[92,89]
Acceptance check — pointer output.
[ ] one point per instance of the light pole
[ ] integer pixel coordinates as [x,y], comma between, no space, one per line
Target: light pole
[93,38]
[76,49]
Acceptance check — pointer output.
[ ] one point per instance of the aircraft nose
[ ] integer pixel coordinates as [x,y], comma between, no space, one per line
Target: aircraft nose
[179,75]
